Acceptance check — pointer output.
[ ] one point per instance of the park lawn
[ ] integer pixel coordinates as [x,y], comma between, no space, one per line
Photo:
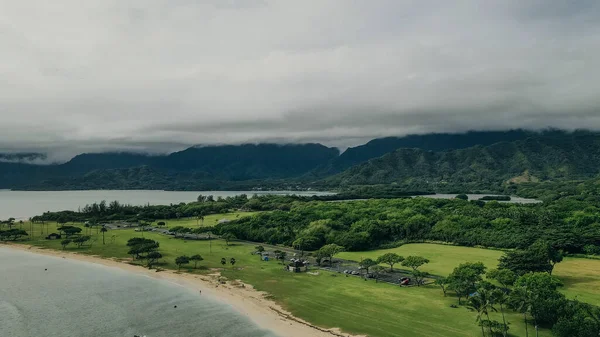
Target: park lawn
[327,299]
[209,220]
[443,258]
[581,277]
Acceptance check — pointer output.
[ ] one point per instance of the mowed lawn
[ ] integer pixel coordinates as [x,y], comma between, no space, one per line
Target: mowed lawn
[209,220]
[327,299]
[581,277]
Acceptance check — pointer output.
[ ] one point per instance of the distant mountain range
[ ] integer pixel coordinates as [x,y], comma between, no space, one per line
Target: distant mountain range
[472,160]
[430,142]
[195,166]
[540,157]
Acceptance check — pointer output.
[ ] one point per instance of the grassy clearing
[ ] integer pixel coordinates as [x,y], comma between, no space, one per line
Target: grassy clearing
[327,299]
[209,220]
[581,277]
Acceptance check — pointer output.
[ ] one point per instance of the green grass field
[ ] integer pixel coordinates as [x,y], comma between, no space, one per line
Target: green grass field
[327,299]
[581,277]
[209,220]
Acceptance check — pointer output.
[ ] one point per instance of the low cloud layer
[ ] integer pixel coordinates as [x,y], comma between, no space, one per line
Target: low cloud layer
[159,75]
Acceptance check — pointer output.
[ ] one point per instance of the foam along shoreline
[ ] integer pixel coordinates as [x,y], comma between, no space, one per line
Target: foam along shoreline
[243,298]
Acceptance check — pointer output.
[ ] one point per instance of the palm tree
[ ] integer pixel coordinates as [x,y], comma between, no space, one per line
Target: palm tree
[478,306]
[500,297]
[482,302]
[520,300]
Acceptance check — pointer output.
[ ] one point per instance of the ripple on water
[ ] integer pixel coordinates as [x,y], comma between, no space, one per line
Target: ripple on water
[74,299]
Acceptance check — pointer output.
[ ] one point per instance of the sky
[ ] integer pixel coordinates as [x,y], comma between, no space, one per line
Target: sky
[160,75]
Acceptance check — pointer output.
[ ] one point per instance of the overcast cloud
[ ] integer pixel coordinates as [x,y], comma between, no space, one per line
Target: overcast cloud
[158,75]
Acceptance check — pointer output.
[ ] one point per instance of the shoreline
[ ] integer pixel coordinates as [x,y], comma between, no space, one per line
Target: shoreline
[243,298]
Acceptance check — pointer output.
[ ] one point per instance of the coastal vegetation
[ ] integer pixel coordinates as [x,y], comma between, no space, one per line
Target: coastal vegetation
[322,298]
[430,240]
[305,294]
[370,224]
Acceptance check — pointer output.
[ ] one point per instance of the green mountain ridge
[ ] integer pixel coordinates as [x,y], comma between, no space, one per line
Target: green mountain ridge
[569,156]
[538,156]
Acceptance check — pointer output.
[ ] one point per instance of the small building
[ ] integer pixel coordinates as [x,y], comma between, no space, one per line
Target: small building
[223,221]
[297,266]
[53,236]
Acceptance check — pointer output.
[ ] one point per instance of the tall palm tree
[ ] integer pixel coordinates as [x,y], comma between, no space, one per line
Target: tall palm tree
[476,304]
[482,302]
[499,297]
[520,300]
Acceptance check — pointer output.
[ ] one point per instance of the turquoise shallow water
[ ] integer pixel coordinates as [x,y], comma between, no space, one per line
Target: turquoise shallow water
[78,299]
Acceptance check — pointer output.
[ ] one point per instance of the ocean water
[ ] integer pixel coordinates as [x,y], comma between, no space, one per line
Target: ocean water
[25,204]
[78,299]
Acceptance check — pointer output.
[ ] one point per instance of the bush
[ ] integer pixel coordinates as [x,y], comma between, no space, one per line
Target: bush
[591,250]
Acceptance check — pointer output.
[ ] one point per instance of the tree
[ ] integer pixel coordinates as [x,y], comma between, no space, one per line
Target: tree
[482,303]
[232,261]
[367,263]
[181,260]
[228,237]
[153,258]
[281,256]
[476,304]
[319,256]
[103,230]
[546,301]
[539,257]
[591,250]
[390,259]
[443,282]
[223,261]
[259,249]
[462,197]
[80,240]
[196,258]
[505,277]
[140,246]
[331,250]
[300,244]
[414,262]
[464,278]
[580,320]
[143,226]
[500,297]
[520,301]
[161,224]
[12,234]
[378,271]
[64,243]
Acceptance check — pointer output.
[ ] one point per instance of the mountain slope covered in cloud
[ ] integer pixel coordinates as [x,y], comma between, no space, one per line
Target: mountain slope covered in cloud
[482,160]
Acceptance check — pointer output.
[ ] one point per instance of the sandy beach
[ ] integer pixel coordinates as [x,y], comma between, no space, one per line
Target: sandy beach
[242,297]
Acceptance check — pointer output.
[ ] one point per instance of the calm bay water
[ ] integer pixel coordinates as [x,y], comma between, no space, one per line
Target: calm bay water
[513,199]
[25,204]
[74,299]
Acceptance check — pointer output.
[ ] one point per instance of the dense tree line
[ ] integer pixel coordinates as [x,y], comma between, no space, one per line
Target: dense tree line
[369,224]
[113,211]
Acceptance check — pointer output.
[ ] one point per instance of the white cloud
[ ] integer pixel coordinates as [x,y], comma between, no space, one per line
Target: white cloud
[163,74]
